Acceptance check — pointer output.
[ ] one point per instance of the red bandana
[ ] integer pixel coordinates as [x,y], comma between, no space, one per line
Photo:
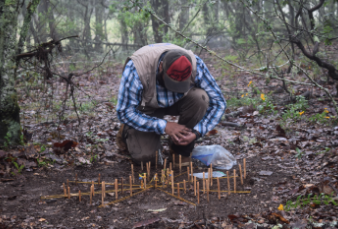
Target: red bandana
[180,70]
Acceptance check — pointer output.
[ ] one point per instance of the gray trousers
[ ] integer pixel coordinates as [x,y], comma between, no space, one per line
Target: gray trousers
[143,145]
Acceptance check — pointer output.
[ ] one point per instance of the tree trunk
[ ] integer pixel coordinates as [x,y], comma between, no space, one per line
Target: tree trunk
[87,30]
[165,5]
[53,33]
[41,25]
[10,129]
[98,27]
[156,4]
[139,34]
[124,33]
[184,15]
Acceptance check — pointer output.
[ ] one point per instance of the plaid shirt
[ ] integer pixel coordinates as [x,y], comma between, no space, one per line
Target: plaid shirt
[130,97]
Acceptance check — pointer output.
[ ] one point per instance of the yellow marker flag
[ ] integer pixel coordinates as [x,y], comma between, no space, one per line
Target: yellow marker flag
[281,207]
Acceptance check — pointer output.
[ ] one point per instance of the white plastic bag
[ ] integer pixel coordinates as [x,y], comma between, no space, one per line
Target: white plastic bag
[216,155]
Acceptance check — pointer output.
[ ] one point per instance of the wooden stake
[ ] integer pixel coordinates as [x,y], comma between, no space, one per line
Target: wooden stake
[142,165]
[165,163]
[131,186]
[228,178]
[240,173]
[203,182]
[68,192]
[198,192]
[218,188]
[170,166]
[174,158]
[121,185]
[79,195]
[156,178]
[195,185]
[64,190]
[149,166]
[116,187]
[209,176]
[93,187]
[162,175]
[192,172]
[172,182]
[99,179]
[211,181]
[156,159]
[178,189]
[103,192]
[188,172]
[244,165]
[180,162]
[132,173]
[208,191]
[142,184]
[75,178]
[91,194]
[145,182]
[234,180]
[67,183]
[184,186]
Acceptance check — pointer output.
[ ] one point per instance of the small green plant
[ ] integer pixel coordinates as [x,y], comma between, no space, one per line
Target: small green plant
[303,201]
[324,151]
[41,163]
[245,100]
[93,158]
[296,110]
[320,118]
[42,148]
[19,168]
[299,153]
[7,140]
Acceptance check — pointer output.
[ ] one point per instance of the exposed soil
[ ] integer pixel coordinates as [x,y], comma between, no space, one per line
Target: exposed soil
[21,197]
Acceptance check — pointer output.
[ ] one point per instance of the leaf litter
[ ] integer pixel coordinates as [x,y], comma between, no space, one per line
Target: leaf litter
[284,161]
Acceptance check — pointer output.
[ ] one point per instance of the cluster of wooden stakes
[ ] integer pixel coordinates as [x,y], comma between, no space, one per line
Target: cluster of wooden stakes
[166,180]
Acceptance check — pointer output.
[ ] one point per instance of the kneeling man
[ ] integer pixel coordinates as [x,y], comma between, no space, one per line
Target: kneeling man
[165,79]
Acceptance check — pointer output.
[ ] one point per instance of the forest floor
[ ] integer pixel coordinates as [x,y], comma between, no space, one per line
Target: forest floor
[288,158]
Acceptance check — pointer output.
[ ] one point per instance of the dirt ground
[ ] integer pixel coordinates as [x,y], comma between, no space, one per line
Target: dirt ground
[21,198]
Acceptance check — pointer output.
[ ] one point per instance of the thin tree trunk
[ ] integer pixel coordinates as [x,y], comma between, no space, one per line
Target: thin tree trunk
[87,30]
[165,5]
[155,23]
[41,25]
[184,15]
[124,33]
[10,129]
[98,27]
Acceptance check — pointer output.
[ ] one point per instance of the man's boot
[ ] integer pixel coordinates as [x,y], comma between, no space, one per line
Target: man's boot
[120,141]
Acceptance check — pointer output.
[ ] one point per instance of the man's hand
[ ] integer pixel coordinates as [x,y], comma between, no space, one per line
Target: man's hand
[186,139]
[176,131]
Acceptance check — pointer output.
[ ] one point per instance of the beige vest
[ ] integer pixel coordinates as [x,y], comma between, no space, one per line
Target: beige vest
[146,60]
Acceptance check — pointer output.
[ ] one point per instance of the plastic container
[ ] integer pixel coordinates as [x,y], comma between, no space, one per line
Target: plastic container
[216,155]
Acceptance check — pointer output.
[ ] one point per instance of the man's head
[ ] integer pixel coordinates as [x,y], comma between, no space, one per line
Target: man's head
[177,68]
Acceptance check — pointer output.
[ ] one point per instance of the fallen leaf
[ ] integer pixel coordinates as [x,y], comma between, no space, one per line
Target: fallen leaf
[281,207]
[281,218]
[42,219]
[212,132]
[157,210]
[265,173]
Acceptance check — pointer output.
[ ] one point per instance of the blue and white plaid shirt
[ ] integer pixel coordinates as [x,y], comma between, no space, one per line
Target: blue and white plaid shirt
[130,97]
